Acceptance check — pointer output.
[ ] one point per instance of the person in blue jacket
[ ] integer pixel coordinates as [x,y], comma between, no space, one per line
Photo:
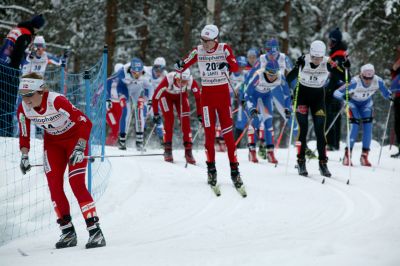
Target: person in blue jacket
[259,99]
[360,90]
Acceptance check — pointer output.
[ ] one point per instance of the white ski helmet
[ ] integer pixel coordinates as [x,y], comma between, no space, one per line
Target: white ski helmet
[317,49]
[39,40]
[117,67]
[186,74]
[160,61]
[368,70]
[210,32]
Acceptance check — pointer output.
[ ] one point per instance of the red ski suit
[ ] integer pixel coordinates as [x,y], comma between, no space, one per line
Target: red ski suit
[63,124]
[215,96]
[167,95]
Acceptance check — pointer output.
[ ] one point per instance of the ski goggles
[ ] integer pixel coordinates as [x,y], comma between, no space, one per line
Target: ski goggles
[271,72]
[27,94]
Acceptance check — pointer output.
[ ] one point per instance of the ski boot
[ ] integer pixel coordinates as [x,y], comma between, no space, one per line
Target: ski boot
[221,147]
[396,155]
[323,168]
[301,167]
[262,151]
[188,153]
[96,237]
[346,159]
[168,152]
[122,141]
[212,174]
[310,154]
[68,237]
[364,158]
[235,175]
[252,153]
[271,156]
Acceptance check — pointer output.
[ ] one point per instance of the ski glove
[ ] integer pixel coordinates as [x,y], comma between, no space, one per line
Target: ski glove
[179,65]
[300,61]
[66,53]
[25,165]
[108,105]
[223,67]
[287,113]
[157,119]
[347,64]
[200,118]
[78,154]
[253,113]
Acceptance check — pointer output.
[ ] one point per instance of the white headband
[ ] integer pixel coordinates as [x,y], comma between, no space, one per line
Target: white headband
[31,84]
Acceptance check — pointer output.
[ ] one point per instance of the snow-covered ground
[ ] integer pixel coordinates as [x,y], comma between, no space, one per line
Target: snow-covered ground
[157,213]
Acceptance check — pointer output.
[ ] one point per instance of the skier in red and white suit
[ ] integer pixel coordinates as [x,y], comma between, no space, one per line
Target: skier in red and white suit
[67,132]
[168,94]
[215,60]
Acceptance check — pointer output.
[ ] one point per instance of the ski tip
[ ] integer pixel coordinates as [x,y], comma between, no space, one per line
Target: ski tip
[323,181]
[348,182]
[20,251]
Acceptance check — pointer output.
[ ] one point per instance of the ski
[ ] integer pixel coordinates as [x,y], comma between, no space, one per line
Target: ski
[216,189]
[242,191]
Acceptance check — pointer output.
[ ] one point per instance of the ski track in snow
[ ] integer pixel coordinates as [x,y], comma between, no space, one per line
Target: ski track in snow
[158,213]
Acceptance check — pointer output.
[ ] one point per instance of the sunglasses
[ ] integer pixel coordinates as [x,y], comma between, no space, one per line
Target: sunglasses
[316,58]
[271,73]
[367,78]
[28,94]
[206,41]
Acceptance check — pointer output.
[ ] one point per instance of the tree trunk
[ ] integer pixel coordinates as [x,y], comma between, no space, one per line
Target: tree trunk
[111,25]
[286,18]
[144,32]
[187,27]
[217,13]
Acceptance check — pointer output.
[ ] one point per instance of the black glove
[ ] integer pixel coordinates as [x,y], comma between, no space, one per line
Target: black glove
[179,64]
[66,53]
[200,118]
[223,67]
[300,61]
[287,113]
[253,113]
[78,155]
[108,105]
[347,64]
[391,98]
[157,119]
[25,165]
[149,102]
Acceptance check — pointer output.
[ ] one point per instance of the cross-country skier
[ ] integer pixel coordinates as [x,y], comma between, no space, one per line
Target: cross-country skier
[259,104]
[156,74]
[215,60]
[114,103]
[135,87]
[395,88]
[315,71]
[67,132]
[38,59]
[169,94]
[360,90]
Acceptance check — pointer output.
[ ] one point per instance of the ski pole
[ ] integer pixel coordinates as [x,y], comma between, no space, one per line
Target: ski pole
[293,118]
[150,134]
[278,141]
[230,85]
[91,158]
[348,122]
[384,132]
[244,131]
[334,120]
